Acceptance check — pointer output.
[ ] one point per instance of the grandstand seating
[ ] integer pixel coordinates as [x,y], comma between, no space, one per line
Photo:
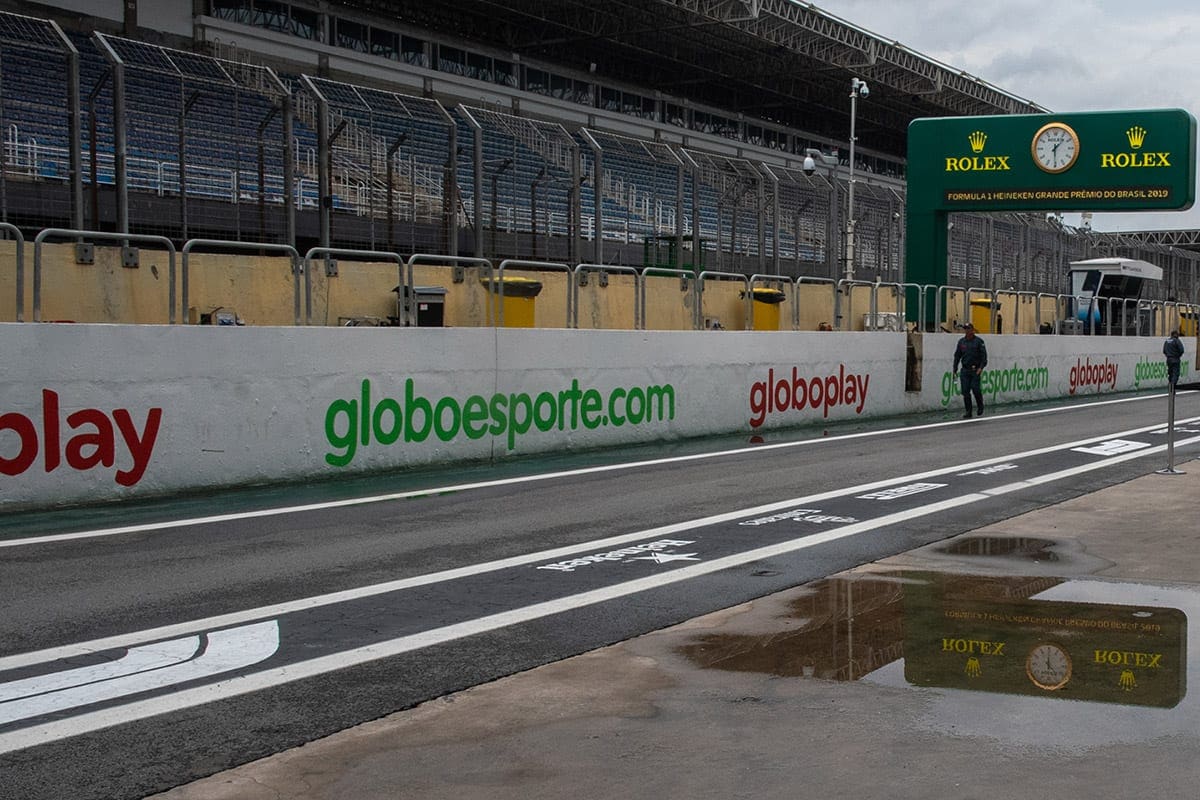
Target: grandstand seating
[222,153]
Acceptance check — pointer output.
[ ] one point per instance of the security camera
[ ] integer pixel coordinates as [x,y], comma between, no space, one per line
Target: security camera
[810,166]
[864,90]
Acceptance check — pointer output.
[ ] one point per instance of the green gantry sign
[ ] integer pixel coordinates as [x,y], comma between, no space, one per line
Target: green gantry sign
[1093,161]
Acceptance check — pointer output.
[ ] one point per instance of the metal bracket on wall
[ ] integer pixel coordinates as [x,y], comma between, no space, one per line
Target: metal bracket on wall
[85,253]
[603,279]
[583,279]
[129,257]
[458,274]
[331,267]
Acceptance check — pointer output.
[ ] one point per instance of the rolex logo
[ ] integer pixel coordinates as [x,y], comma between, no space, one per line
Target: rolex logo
[1136,135]
[977,140]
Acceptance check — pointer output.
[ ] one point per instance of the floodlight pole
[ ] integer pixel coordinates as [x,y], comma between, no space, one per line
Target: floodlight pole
[857,88]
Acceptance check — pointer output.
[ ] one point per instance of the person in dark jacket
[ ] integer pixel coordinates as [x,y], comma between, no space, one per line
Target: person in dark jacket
[1173,350]
[972,355]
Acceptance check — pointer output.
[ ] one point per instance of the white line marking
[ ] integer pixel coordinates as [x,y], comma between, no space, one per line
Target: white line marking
[138,659]
[233,687]
[245,684]
[462,487]
[227,650]
[661,532]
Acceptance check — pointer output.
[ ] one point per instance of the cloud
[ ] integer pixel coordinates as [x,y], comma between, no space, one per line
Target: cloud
[1081,56]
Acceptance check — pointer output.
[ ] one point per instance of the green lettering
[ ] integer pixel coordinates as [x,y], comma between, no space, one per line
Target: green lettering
[474,410]
[390,406]
[590,409]
[344,441]
[412,405]
[446,433]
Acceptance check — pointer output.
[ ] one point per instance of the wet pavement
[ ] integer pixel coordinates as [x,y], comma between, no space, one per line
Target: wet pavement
[1045,655]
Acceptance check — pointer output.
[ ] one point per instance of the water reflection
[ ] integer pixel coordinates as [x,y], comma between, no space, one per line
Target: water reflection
[1007,546]
[1037,636]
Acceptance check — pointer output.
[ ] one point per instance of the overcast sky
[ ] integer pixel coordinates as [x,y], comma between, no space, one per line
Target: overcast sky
[1084,55]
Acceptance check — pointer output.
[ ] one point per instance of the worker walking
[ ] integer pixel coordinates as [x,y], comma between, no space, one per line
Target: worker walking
[972,355]
[1173,350]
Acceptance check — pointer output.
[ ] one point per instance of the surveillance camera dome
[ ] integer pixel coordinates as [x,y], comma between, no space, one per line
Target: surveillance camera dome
[864,90]
[810,166]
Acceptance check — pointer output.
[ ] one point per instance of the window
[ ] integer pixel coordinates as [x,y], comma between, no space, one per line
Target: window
[452,60]
[305,23]
[610,99]
[675,115]
[537,81]
[270,15]
[351,35]
[562,88]
[385,44]
[479,67]
[413,51]
[504,73]
[233,10]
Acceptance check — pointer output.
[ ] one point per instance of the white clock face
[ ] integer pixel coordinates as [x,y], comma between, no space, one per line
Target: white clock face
[1049,666]
[1055,147]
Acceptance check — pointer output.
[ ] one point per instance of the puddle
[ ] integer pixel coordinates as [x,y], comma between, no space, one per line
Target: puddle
[1021,637]
[1002,546]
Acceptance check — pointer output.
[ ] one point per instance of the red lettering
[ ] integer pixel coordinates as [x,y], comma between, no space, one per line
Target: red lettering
[101,440]
[23,427]
[50,428]
[140,448]
[93,444]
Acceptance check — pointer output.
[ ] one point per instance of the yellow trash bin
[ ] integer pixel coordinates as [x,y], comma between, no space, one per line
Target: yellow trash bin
[1187,323]
[981,316]
[765,308]
[518,300]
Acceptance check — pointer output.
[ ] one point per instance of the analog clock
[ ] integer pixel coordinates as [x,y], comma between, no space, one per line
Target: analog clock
[1048,666]
[1055,147]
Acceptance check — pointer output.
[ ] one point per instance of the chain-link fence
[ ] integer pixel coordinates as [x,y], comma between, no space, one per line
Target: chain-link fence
[40,178]
[107,133]
[383,161]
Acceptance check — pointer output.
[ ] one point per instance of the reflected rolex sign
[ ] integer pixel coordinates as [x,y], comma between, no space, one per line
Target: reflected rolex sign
[1131,655]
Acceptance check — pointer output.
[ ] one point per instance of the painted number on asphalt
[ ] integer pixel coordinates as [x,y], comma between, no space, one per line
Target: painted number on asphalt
[1111,448]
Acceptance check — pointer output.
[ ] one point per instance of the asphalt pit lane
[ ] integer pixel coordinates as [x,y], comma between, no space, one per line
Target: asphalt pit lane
[1019,547]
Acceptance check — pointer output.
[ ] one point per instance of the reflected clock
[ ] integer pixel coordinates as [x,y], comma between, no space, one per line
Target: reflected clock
[1048,666]
[1055,147]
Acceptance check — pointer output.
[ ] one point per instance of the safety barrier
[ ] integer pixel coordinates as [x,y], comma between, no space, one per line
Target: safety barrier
[890,304]
[127,254]
[403,285]
[601,270]
[15,232]
[218,244]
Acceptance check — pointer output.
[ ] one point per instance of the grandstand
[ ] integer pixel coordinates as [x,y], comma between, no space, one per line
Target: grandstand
[641,134]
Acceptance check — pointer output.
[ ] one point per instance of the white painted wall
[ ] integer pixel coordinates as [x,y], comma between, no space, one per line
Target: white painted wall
[237,406]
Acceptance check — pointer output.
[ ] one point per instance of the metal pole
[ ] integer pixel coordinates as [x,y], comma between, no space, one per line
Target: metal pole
[850,196]
[324,171]
[289,171]
[119,148]
[1170,470]
[73,133]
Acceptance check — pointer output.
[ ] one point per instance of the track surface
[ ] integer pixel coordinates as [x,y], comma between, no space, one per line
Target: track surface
[171,643]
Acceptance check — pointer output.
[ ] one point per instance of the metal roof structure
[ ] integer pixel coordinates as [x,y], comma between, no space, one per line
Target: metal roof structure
[777,60]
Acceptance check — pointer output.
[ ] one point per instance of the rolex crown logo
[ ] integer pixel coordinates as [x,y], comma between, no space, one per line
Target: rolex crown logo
[977,140]
[1136,135]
